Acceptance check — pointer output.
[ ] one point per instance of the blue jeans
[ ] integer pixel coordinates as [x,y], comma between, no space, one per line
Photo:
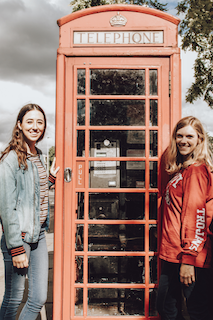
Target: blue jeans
[37,273]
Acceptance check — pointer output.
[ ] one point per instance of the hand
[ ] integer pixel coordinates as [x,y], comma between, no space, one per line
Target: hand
[20,261]
[187,274]
[54,170]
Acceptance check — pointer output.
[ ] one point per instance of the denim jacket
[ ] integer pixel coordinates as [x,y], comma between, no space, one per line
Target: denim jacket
[20,200]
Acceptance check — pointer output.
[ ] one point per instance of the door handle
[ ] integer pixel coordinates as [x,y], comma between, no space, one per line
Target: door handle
[67,174]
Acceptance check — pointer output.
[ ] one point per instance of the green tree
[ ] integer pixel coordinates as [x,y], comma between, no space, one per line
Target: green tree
[51,155]
[83,4]
[196,29]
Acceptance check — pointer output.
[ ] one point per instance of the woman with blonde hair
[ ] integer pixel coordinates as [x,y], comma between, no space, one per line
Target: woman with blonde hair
[185,247]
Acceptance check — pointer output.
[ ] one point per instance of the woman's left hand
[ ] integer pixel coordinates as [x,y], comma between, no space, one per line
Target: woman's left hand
[187,274]
[54,170]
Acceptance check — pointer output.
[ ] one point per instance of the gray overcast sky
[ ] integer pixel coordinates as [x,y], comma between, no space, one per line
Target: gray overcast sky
[29,41]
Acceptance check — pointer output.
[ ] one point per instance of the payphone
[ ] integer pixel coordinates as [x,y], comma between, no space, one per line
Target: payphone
[104,174]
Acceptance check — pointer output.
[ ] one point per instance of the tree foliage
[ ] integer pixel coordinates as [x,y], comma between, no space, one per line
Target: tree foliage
[196,28]
[51,155]
[84,4]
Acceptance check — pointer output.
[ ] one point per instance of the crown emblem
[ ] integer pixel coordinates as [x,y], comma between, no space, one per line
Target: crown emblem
[118,20]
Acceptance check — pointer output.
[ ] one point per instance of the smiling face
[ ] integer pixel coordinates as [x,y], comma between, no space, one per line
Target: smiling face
[186,141]
[32,126]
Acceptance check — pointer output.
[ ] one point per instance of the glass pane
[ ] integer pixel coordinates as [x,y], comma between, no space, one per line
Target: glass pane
[153,82]
[115,302]
[81,81]
[152,302]
[153,236]
[117,174]
[153,174]
[153,269]
[117,82]
[79,238]
[117,206]
[79,302]
[80,209]
[116,269]
[81,113]
[153,206]
[153,113]
[117,143]
[117,112]
[79,269]
[80,143]
[153,152]
[110,237]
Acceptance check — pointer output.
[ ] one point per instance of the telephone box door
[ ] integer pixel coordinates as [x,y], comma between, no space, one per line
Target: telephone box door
[114,127]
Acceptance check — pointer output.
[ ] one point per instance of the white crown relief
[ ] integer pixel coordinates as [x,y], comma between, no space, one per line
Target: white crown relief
[118,20]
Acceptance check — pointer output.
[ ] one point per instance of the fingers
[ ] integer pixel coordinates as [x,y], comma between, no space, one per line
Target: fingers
[20,261]
[54,171]
[186,280]
[53,163]
[187,274]
[57,169]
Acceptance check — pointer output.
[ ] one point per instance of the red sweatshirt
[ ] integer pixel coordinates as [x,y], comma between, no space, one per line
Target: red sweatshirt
[187,214]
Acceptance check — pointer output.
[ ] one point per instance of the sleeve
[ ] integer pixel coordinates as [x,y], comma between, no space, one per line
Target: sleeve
[8,213]
[51,180]
[193,215]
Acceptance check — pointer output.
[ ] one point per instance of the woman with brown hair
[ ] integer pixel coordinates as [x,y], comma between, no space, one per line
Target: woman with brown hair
[24,215]
[185,247]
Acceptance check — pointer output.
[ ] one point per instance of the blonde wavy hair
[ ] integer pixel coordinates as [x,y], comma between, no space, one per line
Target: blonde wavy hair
[17,142]
[201,154]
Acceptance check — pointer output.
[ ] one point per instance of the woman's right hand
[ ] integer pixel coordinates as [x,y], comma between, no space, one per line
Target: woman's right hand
[20,261]
[187,274]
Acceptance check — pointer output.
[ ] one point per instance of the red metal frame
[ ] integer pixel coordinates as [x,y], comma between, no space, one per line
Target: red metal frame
[164,58]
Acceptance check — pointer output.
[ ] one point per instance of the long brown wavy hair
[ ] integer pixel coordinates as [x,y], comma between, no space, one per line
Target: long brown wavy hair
[17,142]
[201,154]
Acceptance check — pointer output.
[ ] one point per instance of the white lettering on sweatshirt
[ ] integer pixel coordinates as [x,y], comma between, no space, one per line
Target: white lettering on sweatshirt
[199,232]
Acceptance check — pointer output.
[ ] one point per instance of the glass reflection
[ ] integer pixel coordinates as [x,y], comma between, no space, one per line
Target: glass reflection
[117,82]
[110,237]
[80,112]
[79,238]
[117,206]
[81,81]
[153,269]
[153,82]
[117,174]
[153,174]
[152,302]
[116,269]
[115,302]
[153,206]
[117,112]
[153,113]
[153,235]
[80,209]
[78,302]
[117,143]
[80,143]
[78,269]
[153,152]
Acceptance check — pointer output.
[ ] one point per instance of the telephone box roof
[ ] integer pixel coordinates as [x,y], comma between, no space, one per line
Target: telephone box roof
[118,7]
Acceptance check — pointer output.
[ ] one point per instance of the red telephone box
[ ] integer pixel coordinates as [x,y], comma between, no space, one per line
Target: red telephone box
[118,97]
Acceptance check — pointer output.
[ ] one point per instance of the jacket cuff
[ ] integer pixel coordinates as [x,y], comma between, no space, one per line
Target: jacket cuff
[17,251]
[188,259]
[51,178]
